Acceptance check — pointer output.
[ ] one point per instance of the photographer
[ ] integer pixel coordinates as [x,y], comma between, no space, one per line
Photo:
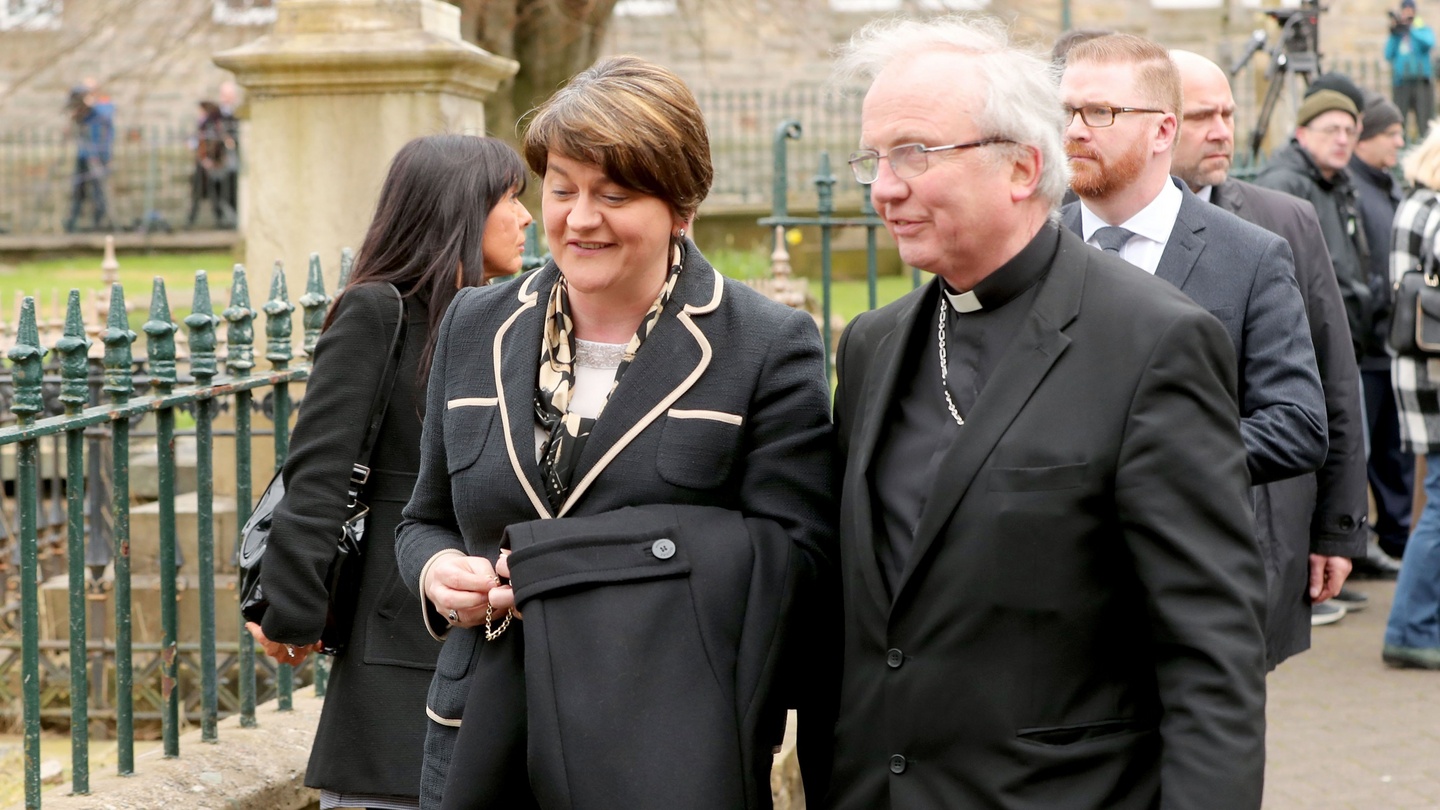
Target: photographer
[1408,52]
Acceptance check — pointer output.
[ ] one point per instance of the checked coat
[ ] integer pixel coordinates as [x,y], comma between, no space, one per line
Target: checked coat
[1417,382]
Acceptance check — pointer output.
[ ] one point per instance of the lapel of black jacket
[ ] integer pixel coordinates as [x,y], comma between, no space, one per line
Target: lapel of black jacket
[1185,244]
[516,362]
[1034,350]
[872,408]
[671,360]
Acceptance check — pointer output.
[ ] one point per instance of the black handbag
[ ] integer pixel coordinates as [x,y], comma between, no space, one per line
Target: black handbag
[342,581]
[1415,320]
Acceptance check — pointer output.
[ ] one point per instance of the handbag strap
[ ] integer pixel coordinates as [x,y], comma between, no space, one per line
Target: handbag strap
[360,472]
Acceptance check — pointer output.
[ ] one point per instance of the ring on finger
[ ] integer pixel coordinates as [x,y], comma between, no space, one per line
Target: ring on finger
[453,616]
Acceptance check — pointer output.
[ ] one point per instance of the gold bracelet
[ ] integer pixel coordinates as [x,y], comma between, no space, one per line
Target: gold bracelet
[491,635]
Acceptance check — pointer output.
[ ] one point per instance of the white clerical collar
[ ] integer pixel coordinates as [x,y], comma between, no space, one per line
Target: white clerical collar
[1154,222]
[967,301]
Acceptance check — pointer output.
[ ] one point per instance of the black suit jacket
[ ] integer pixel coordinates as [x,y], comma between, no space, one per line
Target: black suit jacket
[725,405]
[1244,275]
[372,731]
[1078,625]
[1323,513]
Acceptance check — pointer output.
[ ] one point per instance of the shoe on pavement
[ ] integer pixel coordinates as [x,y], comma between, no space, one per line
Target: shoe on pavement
[1411,657]
[1326,613]
[1352,600]
[1376,564]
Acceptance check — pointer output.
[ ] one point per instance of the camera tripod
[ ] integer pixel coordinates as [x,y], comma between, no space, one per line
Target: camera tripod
[1294,54]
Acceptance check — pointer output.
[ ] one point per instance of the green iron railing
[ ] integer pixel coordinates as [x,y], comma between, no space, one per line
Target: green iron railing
[206,389]
[825,209]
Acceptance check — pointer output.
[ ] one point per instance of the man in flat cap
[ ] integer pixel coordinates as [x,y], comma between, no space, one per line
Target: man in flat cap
[1314,167]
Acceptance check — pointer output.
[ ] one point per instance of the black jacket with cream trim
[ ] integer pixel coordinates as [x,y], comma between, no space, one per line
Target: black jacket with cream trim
[725,406]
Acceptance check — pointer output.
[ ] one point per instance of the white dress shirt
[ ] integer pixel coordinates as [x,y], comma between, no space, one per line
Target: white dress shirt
[1151,225]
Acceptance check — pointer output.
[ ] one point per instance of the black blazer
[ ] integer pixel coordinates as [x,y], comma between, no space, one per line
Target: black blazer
[1079,622]
[1323,513]
[725,405]
[371,733]
[1245,276]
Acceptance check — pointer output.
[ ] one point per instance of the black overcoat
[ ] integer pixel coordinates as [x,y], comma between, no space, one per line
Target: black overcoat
[372,728]
[1321,512]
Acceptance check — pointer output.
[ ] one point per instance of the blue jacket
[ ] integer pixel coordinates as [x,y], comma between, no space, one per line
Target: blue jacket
[1409,53]
[95,133]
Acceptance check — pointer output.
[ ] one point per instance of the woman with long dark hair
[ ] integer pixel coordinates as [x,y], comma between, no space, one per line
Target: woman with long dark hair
[449,217]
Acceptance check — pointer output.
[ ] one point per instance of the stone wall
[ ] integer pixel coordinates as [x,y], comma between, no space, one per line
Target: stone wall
[151,56]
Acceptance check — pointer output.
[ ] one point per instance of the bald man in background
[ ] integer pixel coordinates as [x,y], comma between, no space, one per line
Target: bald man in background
[1310,526]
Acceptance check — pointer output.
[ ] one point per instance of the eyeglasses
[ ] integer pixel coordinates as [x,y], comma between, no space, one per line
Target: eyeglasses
[906,160]
[1101,115]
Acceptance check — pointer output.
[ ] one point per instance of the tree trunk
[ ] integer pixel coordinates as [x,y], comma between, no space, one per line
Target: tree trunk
[551,39]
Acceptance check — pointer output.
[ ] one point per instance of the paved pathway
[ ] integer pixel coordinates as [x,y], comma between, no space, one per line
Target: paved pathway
[1345,731]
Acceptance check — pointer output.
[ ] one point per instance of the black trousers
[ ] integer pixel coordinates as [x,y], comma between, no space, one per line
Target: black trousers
[1415,96]
[1391,470]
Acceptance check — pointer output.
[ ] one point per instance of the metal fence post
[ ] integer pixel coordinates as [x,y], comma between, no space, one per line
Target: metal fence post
[825,189]
[27,373]
[160,353]
[73,349]
[315,303]
[201,323]
[278,352]
[789,130]
[117,338]
[240,359]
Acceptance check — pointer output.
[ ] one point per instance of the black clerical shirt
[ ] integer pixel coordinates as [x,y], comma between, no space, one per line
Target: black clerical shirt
[919,430]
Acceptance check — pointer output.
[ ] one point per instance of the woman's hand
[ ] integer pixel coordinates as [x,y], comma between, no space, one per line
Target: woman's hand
[461,588]
[503,596]
[282,653]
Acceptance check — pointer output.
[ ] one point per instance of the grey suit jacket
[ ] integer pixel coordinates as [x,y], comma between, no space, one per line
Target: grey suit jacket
[1244,275]
[1322,513]
[725,405]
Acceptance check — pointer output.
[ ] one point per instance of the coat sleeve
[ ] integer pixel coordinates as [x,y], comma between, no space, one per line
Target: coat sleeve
[1191,541]
[1282,404]
[428,528]
[1337,524]
[1423,38]
[347,367]
[786,475]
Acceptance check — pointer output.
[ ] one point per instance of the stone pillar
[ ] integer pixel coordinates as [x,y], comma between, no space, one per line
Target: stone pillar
[334,90]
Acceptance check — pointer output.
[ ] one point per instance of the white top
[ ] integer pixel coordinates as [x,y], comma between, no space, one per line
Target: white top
[595,365]
[1151,225]
[1205,193]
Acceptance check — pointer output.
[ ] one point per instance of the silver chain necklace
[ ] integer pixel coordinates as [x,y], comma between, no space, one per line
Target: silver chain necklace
[944,366]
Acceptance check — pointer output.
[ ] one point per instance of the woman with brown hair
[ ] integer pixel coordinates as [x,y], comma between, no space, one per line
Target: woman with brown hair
[449,218]
[649,443]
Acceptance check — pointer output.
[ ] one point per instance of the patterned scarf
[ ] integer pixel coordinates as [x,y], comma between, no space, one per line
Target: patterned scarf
[567,431]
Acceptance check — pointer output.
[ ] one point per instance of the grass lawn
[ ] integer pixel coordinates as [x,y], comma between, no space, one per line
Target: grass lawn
[850,298]
[50,280]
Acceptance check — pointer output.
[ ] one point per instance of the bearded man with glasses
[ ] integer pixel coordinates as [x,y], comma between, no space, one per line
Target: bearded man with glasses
[1051,591]
[1242,274]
